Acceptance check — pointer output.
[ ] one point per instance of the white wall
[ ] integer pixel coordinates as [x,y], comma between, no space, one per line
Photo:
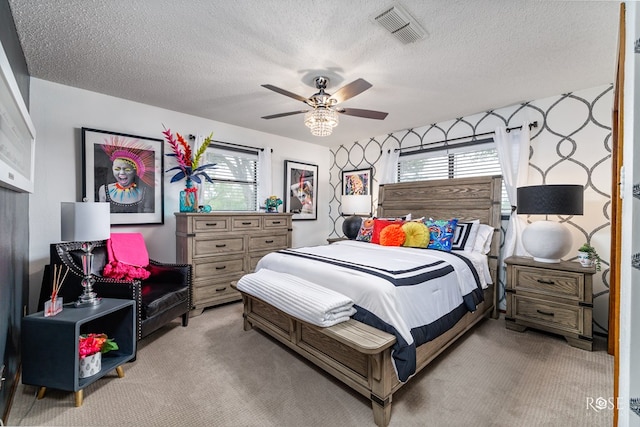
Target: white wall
[59,112]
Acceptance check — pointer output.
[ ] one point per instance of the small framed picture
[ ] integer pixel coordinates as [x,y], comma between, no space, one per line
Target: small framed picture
[301,190]
[126,171]
[356,182]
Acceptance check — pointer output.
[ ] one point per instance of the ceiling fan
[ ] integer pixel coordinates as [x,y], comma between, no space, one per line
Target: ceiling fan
[323,116]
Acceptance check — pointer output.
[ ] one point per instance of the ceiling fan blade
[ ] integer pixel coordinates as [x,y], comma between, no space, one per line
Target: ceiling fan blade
[354,88]
[290,113]
[367,114]
[286,93]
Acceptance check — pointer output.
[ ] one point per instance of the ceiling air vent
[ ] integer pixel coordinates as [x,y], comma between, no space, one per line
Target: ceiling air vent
[399,23]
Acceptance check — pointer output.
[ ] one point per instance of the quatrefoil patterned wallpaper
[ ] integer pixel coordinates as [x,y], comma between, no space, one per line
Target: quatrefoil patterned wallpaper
[571,145]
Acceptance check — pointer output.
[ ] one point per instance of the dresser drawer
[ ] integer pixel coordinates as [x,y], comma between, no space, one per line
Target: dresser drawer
[546,313]
[563,284]
[273,242]
[214,267]
[210,224]
[275,222]
[204,291]
[245,223]
[207,246]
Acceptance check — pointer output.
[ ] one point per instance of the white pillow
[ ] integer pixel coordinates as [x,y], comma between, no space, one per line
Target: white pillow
[464,236]
[483,239]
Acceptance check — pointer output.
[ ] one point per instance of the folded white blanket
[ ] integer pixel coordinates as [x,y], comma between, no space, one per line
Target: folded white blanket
[295,296]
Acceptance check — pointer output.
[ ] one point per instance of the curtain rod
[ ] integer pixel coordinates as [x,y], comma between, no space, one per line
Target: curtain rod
[531,125]
[191,136]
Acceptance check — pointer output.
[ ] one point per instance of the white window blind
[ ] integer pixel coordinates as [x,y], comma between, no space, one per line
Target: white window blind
[234,185]
[468,160]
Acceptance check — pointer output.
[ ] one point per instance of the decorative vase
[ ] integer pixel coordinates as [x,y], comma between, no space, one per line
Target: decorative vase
[585,259]
[90,365]
[189,198]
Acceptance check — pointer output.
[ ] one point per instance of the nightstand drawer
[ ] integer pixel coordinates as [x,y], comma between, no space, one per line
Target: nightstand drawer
[564,284]
[207,246]
[547,313]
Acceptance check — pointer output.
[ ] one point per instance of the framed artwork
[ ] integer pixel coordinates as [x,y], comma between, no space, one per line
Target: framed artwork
[356,182]
[126,171]
[17,134]
[301,190]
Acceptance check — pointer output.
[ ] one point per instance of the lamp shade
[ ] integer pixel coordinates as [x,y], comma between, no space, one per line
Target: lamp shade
[85,221]
[551,200]
[356,204]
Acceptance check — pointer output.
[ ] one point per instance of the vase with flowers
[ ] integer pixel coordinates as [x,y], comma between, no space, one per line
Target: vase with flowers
[272,203]
[188,168]
[90,350]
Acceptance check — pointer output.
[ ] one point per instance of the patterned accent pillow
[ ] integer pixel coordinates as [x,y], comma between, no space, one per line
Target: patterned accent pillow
[366,230]
[440,233]
[465,234]
[417,234]
[392,235]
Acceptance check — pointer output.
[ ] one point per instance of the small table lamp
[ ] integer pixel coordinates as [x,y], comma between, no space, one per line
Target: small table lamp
[354,205]
[86,222]
[549,241]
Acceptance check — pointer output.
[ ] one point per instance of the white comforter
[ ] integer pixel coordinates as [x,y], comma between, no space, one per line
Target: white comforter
[389,282]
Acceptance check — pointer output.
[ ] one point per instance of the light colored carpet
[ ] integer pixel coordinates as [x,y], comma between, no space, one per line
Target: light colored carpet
[213,373]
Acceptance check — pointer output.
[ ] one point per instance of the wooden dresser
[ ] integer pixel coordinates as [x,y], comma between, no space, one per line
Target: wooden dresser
[223,246]
[556,298]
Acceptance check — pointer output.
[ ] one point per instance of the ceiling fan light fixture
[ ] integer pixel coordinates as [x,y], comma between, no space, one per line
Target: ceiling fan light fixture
[321,121]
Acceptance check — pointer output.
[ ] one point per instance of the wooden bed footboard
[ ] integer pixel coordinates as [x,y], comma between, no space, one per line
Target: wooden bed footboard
[354,353]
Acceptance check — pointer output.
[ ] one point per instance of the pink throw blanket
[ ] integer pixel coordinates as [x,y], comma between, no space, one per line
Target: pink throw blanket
[128,257]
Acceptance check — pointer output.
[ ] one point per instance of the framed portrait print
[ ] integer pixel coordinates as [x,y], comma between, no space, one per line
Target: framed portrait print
[301,190]
[126,171]
[356,182]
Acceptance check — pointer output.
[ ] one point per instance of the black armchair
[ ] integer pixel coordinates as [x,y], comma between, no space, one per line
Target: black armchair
[165,295]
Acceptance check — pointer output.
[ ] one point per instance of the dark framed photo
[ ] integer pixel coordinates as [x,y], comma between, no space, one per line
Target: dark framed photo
[126,171]
[301,190]
[356,182]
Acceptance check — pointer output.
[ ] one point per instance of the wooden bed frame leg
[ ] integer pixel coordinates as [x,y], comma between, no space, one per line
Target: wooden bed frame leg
[381,411]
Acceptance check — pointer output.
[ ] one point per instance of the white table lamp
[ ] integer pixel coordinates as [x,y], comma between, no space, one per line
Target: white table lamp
[354,205]
[85,222]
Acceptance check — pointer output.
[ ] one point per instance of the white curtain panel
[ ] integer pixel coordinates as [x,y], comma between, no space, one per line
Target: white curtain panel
[513,153]
[389,166]
[264,176]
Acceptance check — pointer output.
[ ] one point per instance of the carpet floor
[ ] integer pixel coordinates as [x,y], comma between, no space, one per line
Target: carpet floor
[213,373]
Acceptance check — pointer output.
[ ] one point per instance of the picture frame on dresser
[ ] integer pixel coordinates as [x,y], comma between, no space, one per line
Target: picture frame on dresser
[301,190]
[126,171]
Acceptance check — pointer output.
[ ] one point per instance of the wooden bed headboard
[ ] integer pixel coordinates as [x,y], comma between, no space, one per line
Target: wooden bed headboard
[462,198]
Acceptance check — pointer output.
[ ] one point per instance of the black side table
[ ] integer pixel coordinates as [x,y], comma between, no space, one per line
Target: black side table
[50,344]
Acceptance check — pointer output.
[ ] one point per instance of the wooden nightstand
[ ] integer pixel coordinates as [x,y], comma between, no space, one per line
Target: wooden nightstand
[555,298]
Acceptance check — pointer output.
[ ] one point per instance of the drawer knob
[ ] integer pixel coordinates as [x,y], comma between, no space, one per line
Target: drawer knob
[212,224]
[246,223]
[221,245]
[546,313]
[276,222]
[268,241]
[221,267]
[546,282]
[220,289]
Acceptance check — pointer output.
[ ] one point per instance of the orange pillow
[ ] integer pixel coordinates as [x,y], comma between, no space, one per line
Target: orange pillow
[392,235]
[378,225]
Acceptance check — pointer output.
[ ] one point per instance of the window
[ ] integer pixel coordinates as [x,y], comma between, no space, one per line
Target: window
[477,159]
[235,184]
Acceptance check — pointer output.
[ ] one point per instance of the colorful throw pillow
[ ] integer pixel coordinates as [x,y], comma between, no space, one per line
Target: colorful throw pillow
[378,225]
[417,234]
[465,234]
[366,230]
[392,235]
[440,233]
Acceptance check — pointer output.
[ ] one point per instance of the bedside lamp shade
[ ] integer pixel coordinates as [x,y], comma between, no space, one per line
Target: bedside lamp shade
[85,221]
[354,205]
[549,241]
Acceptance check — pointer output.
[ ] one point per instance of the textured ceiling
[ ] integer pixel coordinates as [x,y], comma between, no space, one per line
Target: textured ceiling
[208,58]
